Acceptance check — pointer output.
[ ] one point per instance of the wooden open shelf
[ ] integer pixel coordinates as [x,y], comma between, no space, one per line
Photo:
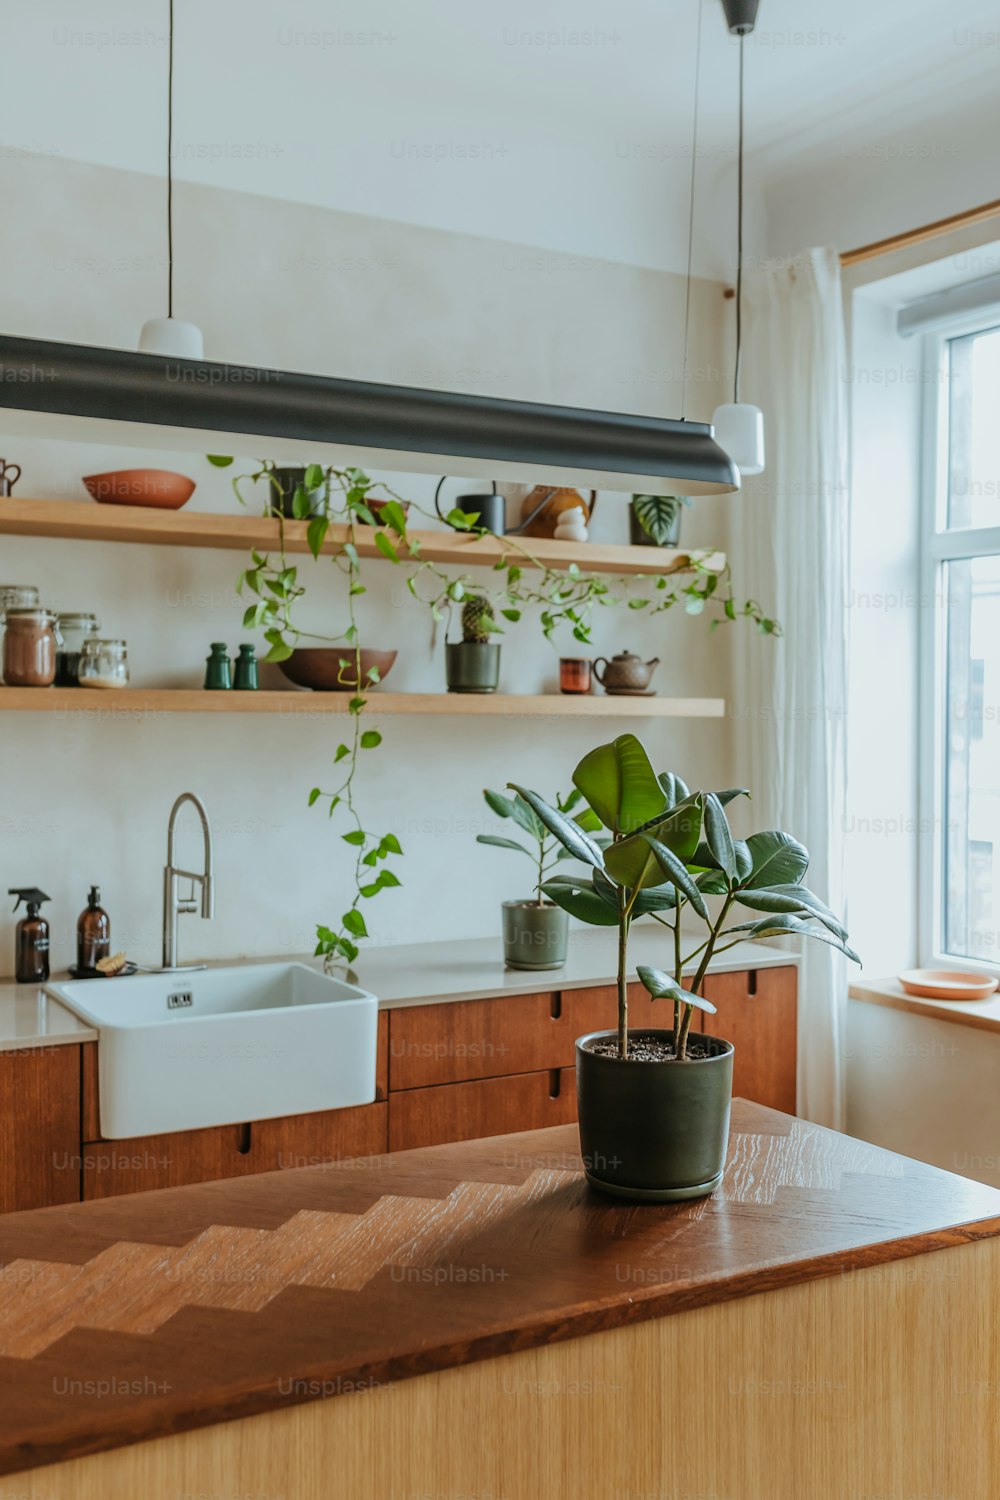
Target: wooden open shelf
[81,520]
[95,703]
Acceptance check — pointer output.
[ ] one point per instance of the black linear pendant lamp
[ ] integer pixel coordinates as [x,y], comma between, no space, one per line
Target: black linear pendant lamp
[168,396]
[170,335]
[739,427]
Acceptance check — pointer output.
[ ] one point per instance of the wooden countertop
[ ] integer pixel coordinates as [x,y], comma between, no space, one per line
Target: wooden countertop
[131,1318]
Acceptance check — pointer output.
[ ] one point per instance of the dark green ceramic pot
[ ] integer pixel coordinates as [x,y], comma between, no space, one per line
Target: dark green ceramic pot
[534,937]
[472,667]
[654,1131]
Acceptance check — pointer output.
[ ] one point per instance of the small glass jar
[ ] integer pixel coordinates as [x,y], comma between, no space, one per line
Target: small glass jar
[74,629]
[30,639]
[103,664]
[15,596]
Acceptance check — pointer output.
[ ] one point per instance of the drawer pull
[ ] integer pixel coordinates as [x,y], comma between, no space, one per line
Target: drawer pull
[555,1005]
[555,1083]
[751,981]
[244,1141]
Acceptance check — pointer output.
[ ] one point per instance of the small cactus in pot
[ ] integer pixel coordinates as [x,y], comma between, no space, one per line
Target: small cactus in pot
[473,663]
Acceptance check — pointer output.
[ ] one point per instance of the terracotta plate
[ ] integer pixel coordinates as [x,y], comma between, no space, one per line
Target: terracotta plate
[947,984]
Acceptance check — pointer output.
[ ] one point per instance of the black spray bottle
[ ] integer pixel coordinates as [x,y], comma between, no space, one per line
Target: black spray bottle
[31,949]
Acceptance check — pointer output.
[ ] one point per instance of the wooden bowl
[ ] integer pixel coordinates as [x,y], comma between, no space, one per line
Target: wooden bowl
[157,489]
[333,669]
[947,984]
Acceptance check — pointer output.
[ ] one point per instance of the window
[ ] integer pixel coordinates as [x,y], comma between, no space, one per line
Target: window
[960,761]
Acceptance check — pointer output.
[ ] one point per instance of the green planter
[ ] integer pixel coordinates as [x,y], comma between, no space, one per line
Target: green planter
[534,937]
[654,1131]
[472,666]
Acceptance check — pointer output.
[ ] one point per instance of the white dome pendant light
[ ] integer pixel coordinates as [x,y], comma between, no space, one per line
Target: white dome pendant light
[171,336]
[739,427]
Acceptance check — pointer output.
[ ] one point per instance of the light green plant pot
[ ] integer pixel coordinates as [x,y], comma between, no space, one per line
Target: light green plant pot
[472,666]
[534,937]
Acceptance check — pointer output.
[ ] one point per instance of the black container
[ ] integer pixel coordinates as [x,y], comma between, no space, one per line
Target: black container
[654,1131]
[639,537]
[288,481]
[472,666]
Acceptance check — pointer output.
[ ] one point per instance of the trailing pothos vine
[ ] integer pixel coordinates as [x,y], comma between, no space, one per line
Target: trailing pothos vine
[564,598]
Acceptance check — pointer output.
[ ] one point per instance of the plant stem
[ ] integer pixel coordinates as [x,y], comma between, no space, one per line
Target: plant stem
[700,975]
[623,926]
[678,967]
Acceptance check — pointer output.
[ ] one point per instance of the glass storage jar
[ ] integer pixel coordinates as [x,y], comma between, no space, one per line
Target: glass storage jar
[74,629]
[104,664]
[30,639]
[15,596]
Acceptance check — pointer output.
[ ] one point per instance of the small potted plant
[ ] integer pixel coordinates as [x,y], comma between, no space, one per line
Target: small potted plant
[655,520]
[473,663]
[654,1105]
[536,930]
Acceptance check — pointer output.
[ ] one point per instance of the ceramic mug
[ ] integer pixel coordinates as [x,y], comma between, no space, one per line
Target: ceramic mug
[574,674]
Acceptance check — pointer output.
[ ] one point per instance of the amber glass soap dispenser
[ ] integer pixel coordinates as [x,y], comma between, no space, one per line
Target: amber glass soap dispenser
[93,933]
[31,943]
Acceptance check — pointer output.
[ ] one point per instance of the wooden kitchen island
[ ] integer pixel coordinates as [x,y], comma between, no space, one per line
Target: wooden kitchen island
[473,1320]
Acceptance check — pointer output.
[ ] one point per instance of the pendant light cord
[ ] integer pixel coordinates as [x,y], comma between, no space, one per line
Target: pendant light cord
[694,168]
[739,237]
[170,170]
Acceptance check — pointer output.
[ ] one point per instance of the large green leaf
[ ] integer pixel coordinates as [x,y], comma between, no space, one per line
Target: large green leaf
[620,784]
[632,862]
[674,789]
[676,872]
[658,516]
[662,986]
[778,859]
[718,836]
[793,898]
[566,831]
[580,901]
[731,793]
[499,843]
[792,926]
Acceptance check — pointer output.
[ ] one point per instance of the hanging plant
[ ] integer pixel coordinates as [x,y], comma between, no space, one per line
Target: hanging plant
[564,598]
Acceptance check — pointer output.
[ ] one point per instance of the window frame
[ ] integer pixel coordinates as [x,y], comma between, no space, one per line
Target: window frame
[938,547]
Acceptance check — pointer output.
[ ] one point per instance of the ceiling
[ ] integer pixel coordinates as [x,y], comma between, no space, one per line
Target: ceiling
[538,121]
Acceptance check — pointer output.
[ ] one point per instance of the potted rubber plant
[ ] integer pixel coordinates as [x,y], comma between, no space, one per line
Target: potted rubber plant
[654,1104]
[473,663]
[536,929]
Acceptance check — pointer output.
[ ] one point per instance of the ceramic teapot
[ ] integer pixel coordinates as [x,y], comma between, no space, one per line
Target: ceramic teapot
[625,673]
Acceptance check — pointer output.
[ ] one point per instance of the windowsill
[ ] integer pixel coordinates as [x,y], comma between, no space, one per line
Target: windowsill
[984,1015]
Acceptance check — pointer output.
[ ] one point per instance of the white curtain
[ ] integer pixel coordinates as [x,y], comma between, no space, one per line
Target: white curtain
[791,553]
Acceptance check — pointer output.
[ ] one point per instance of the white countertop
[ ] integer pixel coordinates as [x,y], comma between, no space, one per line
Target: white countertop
[417,974]
[31,1018]
[473,968]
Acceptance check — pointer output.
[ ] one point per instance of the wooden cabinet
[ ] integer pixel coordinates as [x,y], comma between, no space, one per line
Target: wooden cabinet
[449,1071]
[189,1156]
[486,1106]
[39,1127]
[757,1013]
[454,1041]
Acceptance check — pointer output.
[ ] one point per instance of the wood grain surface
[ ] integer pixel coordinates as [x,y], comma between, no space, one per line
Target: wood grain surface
[131,1318]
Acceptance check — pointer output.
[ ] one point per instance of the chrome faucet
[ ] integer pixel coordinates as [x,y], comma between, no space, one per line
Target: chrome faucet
[173,903]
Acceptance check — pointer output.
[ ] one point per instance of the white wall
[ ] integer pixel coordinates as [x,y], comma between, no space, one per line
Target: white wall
[87,795]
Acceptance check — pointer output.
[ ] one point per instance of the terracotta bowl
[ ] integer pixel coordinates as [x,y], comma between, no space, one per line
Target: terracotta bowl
[377,506]
[332,669]
[947,984]
[157,489]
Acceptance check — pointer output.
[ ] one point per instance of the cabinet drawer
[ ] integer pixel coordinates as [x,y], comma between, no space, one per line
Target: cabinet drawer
[91,1098]
[757,1012]
[190,1156]
[490,1106]
[467,1039]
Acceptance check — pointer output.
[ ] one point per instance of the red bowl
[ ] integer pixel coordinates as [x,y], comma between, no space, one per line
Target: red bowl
[158,489]
[334,669]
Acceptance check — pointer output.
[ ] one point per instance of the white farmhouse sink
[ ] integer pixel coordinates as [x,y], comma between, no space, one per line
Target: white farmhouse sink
[224,1046]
